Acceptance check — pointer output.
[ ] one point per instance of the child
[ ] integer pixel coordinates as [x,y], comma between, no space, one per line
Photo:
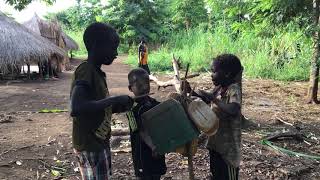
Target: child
[91,105]
[147,164]
[224,146]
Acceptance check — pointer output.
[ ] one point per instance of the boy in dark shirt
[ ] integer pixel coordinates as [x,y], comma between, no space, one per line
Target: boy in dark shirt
[91,104]
[147,164]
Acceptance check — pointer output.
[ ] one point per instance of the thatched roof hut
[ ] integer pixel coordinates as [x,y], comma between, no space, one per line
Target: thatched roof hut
[52,31]
[19,45]
[70,43]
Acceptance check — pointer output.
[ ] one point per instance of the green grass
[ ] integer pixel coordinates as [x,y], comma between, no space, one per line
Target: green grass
[275,57]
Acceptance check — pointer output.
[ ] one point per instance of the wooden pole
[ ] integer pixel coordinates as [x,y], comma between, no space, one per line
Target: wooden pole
[189,144]
[40,70]
[28,65]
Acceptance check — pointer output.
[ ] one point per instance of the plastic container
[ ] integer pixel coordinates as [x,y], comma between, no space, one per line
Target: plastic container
[203,117]
[168,126]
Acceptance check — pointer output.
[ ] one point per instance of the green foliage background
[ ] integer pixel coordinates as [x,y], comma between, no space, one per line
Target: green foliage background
[272,37]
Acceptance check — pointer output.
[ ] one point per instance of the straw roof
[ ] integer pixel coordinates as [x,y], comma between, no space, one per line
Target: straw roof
[50,30]
[46,29]
[19,45]
[70,43]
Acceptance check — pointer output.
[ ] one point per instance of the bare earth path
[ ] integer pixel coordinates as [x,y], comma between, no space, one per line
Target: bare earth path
[36,146]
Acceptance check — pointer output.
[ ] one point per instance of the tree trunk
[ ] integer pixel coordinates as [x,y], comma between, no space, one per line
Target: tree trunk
[29,76]
[314,71]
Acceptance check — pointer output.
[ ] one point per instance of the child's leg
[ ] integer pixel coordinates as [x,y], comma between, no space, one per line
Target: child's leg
[95,165]
[146,67]
[220,170]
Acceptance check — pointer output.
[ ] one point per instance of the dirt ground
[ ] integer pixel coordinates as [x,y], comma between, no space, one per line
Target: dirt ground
[38,145]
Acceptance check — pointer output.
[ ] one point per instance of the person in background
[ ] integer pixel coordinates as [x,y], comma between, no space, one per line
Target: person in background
[143,55]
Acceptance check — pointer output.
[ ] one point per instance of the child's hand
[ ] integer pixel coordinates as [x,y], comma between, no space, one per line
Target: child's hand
[205,96]
[123,103]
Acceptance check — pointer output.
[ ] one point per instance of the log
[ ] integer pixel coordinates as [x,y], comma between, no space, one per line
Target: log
[120,132]
[168,83]
[176,81]
[287,135]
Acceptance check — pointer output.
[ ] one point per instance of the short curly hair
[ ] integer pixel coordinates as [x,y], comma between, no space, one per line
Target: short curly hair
[229,63]
[99,33]
[138,72]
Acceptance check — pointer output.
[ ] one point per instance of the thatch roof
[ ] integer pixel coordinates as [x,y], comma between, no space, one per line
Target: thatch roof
[50,30]
[46,29]
[18,45]
[70,43]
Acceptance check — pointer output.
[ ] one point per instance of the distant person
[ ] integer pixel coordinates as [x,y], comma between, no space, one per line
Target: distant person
[148,165]
[143,55]
[92,106]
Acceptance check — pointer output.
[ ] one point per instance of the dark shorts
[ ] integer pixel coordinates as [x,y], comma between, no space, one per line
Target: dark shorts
[145,67]
[220,170]
[94,165]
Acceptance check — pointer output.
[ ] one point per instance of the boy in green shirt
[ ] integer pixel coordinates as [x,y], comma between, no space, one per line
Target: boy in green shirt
[91,105]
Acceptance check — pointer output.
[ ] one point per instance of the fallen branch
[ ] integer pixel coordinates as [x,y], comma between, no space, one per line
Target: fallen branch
[168,83]
[286,135]
[284,122]
[176,81]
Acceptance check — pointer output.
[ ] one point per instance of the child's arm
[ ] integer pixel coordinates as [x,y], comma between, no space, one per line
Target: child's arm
[81,103]
[229,108]
[233,106]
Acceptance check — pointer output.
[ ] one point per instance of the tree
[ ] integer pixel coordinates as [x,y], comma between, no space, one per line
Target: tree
[314,72]
[189,13]
[134,19]
[19,5]
[263,16]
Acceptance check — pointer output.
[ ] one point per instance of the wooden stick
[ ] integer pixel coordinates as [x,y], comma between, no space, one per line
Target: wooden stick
[284,122]
[190,76]
[141,96]
[189,144]
[176,78]
[286,135]
[171,82]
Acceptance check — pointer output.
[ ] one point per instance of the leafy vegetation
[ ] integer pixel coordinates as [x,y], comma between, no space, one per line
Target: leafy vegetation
[273,38]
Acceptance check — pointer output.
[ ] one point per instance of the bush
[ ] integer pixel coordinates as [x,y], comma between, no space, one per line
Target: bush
[277,57]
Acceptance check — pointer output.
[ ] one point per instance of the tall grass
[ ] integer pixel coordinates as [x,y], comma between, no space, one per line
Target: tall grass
[274,57]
